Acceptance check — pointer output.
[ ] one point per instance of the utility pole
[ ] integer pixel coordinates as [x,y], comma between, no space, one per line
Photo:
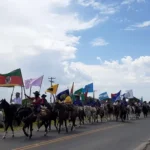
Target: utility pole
[51,80]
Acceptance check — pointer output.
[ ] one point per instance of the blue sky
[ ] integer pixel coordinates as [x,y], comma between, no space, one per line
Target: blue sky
[121,42]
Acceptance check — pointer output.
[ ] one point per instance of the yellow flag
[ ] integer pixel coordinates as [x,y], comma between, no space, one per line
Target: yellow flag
[53,89]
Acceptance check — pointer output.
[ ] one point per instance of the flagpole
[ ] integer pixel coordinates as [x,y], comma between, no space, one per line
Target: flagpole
[23,83]
[12,94]
[21,93]
[30,90]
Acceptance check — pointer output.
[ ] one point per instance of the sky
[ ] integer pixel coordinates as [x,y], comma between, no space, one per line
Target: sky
[81,41]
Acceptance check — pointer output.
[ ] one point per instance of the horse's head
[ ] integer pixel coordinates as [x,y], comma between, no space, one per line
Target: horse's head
[3,104]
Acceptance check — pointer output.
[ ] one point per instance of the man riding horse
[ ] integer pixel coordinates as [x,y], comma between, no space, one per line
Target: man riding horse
[36,101]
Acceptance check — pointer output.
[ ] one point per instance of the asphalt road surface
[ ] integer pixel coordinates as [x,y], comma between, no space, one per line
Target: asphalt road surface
[98,136]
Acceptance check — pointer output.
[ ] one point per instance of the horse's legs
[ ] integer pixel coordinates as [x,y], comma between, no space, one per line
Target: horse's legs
[24,131]
[66,126]
[60,123]
[6,128]
[54,125]
[31,129]
[39,125]
[49,125]
[46,126]
[11,126]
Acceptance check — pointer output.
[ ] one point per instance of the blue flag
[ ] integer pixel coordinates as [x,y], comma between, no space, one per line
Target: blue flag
[88,88]
[103,96]
[116,96]
[62,94]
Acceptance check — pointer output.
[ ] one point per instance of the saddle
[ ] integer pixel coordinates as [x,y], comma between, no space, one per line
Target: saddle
[44,111]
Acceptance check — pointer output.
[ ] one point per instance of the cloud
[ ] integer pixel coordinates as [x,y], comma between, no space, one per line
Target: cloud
[138,25]
[107,9]
[38,39]
[42,42]
[128,2]
[126,73]
[99,42]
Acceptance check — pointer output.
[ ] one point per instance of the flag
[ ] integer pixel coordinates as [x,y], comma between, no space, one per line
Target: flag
[13,78]
[89,87]
[103,96]
[53,89]
[79,91]
[33,82]
[142,99]
[129,94]
[116,96]
[27,83]
[83,97]
[62,94]
[71,92]
[37,81]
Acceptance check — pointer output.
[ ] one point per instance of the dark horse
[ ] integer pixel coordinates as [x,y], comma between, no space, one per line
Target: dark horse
[63,115]
[116,111]
[9,112]
[123,112]
[53,117]
[145,110]
[27,116]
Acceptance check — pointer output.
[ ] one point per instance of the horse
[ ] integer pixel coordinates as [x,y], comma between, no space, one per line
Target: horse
[130,112]
[88,113]
[9,112]
[54,115]
[28,117]
[80,114]
[94,114]
[108,111]
[123,112]
[63,115]
[100,112]
[145,110]
[116,112]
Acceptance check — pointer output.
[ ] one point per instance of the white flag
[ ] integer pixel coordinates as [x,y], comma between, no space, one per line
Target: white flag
[129,94]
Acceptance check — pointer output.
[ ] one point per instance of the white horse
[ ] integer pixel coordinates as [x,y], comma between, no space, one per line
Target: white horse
[88,113]
[131,112]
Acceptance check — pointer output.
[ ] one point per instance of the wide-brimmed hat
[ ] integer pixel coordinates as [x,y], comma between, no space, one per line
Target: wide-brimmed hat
[43,95]
[36,93]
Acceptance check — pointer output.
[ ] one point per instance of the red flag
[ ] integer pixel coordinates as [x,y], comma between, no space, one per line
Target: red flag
[86,93]
[71,92]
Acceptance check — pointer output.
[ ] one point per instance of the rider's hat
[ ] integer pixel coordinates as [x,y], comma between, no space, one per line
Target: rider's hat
[43,95]
[36,93]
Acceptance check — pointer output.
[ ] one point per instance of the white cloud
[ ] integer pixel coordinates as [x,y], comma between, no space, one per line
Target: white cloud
[124,74]
[99,42]
[139,25]
[106,9]
[38,39]
[128,2]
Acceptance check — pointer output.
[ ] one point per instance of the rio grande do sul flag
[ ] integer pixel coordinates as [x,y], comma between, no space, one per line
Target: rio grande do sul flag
[13,78]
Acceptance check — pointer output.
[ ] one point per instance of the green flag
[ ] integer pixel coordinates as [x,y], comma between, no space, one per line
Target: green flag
[79,91]
[83,97]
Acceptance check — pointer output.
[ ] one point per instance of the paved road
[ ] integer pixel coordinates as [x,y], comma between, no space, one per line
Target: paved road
[101,136]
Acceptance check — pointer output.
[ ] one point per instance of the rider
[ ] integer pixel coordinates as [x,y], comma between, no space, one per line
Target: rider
[36,101]
[68,102]
[124,102]
[43,100]
[17,99]
[77,102]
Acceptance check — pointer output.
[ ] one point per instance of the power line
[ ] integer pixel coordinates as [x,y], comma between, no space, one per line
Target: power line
[51,80]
